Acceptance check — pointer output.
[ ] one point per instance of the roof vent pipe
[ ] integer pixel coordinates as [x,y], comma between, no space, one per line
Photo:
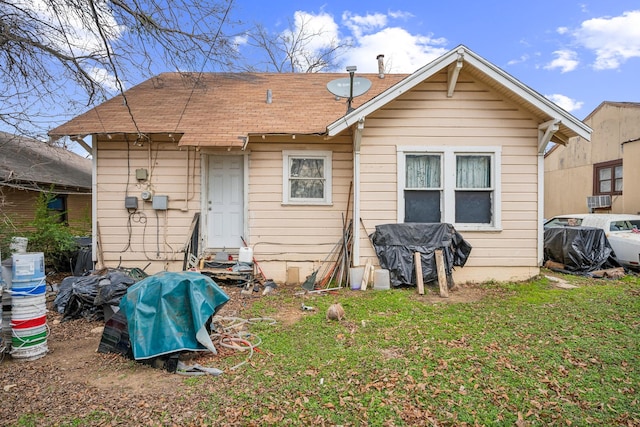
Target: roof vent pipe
[380,59]
[269,96]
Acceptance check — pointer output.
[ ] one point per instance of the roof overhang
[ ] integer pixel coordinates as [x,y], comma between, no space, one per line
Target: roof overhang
[454,59]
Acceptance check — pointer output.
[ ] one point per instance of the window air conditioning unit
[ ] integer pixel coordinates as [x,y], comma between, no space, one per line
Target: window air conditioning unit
[594,202]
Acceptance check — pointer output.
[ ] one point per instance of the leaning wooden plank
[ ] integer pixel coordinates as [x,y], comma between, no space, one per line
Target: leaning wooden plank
[365,275]
[442,275]
[418,265]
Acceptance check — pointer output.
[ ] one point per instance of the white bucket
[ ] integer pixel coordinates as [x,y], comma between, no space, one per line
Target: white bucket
[381,280]
[245,255]
[30,353]
[28,307]
[355,277]
[18,245]
[28,274]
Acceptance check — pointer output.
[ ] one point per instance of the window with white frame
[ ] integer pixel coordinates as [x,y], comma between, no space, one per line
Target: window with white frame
[306,177]
[457,185]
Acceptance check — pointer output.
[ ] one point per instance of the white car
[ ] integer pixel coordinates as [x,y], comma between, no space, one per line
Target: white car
[622,231]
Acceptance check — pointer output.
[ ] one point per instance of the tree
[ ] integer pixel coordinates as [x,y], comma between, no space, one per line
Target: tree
[68,52]
[306,46]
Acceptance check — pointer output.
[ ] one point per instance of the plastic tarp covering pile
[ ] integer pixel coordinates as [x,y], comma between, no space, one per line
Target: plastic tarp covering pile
[168,312]
[85,296]
[395,245]
[579,249]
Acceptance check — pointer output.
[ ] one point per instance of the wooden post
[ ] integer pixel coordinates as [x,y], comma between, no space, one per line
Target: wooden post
[442,275]
[418,265]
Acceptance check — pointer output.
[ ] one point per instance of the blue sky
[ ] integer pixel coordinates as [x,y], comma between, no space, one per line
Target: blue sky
[578,54]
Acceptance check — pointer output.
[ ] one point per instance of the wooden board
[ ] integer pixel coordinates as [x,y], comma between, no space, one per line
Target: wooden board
[418,266]
[368,267]
[442,275]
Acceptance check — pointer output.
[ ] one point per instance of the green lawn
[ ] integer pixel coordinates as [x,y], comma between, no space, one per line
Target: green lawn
[525,354]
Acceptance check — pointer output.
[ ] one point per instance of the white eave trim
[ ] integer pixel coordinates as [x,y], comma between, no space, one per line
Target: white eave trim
[471,58]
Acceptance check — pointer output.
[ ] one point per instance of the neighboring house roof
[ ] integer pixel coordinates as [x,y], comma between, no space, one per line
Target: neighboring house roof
[613,104]
[34,165]
[219,108]
[463,58]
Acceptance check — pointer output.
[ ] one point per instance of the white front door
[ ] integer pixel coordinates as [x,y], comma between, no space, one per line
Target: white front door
[225,203]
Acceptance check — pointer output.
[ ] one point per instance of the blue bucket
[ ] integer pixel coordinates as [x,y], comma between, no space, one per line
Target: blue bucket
[28,278]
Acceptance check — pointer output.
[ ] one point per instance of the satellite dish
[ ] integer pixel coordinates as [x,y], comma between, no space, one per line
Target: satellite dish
[342,87]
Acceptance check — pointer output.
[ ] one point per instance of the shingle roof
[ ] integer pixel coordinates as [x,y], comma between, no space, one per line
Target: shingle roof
[220,107]
[32,164]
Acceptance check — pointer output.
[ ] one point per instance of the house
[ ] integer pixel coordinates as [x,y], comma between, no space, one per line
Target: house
[601,176]
[29,167]
[281,161]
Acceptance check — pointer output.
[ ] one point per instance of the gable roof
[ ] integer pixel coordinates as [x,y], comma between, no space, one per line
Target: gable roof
[217,108]
[30,164]
[484,71]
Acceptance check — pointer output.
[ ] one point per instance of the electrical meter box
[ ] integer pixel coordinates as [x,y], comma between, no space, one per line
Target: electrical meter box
[141,174]
[131,202]
[160,203]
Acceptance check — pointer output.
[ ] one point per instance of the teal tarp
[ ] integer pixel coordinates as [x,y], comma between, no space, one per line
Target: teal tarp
[168,312]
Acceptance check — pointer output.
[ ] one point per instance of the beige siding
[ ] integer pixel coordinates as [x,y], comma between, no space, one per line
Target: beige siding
[569,169]
[474,116]
[147,236]
[631,177]
[302,235]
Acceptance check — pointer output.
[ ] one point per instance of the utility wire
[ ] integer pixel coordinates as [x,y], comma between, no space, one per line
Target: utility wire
[96,19]
[206,58]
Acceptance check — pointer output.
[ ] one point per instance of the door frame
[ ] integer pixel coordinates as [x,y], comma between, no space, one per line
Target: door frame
[204,196]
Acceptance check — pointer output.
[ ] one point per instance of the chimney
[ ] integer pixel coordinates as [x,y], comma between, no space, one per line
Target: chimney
[380,59]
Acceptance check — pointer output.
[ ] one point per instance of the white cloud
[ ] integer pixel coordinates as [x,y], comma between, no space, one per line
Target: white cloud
[613,39]
[562,30]
[565,102]
[399,14]
[404,52]
[240,40]
[523,58]
[322,26]
[105,78]
[366,24]
[566,61]
[370,36]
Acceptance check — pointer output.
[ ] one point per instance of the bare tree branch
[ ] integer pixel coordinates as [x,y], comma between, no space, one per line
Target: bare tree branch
[78,53]
[299,49]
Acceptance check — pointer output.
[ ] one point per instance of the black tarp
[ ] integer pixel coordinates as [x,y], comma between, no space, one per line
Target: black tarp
[85,296]
[579,249]
[395,245]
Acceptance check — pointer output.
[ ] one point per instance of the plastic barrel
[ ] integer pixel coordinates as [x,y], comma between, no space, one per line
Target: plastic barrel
[381,280]
[28,278]
[355,277]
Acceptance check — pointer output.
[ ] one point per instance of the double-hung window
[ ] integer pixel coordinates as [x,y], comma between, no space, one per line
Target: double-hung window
[306,177]
[607,178]
[457,185]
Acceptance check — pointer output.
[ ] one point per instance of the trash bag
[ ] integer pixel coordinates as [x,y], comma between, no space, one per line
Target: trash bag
[580,249]
[83,297]
[395,245]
